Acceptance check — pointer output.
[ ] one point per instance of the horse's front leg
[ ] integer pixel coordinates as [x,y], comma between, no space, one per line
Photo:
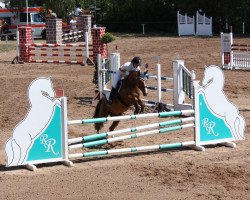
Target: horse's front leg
[141,103]
[137,109]
[113,125]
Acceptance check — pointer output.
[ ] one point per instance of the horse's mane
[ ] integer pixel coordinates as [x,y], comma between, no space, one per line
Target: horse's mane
[132,77]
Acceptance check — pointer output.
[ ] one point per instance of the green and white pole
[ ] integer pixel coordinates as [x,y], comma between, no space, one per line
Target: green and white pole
[133,149]
[131,117]
[132,136]
[133,129]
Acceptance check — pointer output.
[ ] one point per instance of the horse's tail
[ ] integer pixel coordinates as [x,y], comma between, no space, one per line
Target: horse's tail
[98,126]
[9,152]
[240,127]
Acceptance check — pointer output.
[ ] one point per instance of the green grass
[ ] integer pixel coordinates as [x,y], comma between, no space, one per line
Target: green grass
[7,46]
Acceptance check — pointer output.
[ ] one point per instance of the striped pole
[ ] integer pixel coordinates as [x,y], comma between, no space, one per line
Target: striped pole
[133,149]
[132,117]
[56,55]
[164,78]
[56,45]
[154,103]
[73,49]
[162,89]
[133,129]
[56,61]
[126,137]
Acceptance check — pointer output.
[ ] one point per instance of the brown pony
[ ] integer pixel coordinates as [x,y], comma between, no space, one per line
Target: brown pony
[128,95]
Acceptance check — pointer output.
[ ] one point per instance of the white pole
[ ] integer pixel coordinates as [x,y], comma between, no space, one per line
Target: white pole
[243,27]
[27,12]
[226,25]
[143,29]
[100,77]
[65,142]
[178,21]
[86,48]
[158,83]
[17,46]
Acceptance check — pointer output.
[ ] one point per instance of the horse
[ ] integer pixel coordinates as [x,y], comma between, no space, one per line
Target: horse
[42,106]
[127,95]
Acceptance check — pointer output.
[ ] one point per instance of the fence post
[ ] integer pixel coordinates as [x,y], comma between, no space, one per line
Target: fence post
[17,46]
[86,48]
[99,73]
[159,96]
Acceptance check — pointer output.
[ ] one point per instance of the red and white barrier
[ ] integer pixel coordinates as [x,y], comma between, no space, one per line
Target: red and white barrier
[56,53]
[234,55]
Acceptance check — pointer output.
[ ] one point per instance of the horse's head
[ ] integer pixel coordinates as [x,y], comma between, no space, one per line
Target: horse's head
[136,79]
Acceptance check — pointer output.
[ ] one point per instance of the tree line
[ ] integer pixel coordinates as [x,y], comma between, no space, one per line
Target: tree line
[157,15]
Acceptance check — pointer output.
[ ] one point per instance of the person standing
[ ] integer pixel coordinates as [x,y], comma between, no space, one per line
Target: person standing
[73,24]
[78,10]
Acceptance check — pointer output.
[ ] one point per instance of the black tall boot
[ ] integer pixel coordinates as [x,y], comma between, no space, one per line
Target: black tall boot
[112,94]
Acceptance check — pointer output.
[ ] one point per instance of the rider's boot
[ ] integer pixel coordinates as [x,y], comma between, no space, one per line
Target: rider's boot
[111,95]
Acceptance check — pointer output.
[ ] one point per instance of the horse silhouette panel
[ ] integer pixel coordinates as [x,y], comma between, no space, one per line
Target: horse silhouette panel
[33,138]
[219,118]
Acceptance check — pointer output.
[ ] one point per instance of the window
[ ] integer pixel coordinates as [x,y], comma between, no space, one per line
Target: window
[8,20]
[23,17]
[37,18]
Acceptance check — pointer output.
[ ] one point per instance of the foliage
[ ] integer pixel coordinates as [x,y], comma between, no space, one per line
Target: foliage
[160,15]
[107,38]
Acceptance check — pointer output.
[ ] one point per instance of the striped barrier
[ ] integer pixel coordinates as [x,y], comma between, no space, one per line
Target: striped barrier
[234,56]
[72,36]
[133,129]
[210,126]
[61,53]
[182,82]
[136,135]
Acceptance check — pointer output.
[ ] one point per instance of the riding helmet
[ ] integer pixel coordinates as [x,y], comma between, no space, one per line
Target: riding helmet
[136,60]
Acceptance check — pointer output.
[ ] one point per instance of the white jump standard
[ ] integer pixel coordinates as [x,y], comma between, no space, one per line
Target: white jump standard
[42,136]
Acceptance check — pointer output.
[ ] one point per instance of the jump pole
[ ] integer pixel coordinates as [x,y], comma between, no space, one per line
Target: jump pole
[126,137]
[131,117]
[133,129]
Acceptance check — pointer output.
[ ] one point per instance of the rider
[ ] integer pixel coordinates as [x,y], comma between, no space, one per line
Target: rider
[123,71]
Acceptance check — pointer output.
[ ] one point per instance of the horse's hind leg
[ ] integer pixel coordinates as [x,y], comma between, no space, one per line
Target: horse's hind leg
[137,109]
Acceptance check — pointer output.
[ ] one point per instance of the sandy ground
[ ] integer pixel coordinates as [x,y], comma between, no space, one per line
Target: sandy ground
[217,173]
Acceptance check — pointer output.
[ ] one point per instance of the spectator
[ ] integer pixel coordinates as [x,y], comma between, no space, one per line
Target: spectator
[78,10]
[51,14]
[4,27]
[73,24]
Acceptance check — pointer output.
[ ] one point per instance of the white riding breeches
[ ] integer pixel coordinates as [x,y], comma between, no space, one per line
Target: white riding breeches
[117,77]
